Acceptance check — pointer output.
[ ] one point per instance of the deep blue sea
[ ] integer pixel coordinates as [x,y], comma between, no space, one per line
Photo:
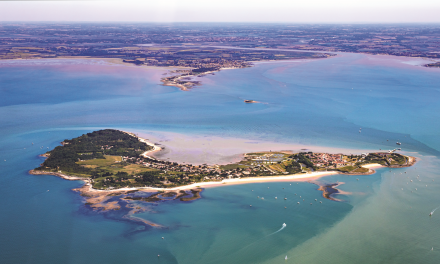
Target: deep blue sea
[383,218]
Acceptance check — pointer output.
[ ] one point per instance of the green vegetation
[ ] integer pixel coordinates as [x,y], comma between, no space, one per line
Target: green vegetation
[361,170]
[99,156]
[91,146]
[301,158]
[292,167]
[398,159]
[386,159]
[347,168]
[231,166]
[376,158]
[113,164]
[111,159]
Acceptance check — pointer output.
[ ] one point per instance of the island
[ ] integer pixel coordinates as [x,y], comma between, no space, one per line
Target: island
[116,166]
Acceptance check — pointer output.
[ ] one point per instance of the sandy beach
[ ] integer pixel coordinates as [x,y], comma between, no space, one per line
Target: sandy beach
[304,177]
[143,140]
[295,177]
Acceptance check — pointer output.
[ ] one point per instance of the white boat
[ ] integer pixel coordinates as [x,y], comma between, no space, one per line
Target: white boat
[284,225]
[398,143]
[286,257]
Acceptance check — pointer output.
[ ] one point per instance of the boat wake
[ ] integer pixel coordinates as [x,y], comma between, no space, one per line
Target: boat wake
[282,227]
[433,211]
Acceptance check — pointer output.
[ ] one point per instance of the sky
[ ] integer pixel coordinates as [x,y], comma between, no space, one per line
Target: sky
[284,11]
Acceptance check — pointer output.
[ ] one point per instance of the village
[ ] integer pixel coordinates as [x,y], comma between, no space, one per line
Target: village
[114,159]
[264,164]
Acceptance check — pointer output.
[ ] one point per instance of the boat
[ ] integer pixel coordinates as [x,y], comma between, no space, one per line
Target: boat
[286,257]
[284,225]
[398,143]
[276,197]
[430,214]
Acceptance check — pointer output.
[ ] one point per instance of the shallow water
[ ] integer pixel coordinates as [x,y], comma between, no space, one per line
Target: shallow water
[308,104]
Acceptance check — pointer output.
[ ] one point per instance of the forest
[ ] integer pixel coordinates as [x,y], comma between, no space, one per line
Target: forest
[90,146]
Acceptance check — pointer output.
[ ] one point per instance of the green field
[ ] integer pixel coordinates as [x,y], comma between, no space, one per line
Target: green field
[113,164]
[347,168]
[361,170]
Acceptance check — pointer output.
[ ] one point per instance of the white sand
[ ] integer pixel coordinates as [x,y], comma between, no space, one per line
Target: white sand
[295,177]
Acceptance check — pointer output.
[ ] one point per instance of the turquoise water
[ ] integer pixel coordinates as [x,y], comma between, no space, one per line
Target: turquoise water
[322,102]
